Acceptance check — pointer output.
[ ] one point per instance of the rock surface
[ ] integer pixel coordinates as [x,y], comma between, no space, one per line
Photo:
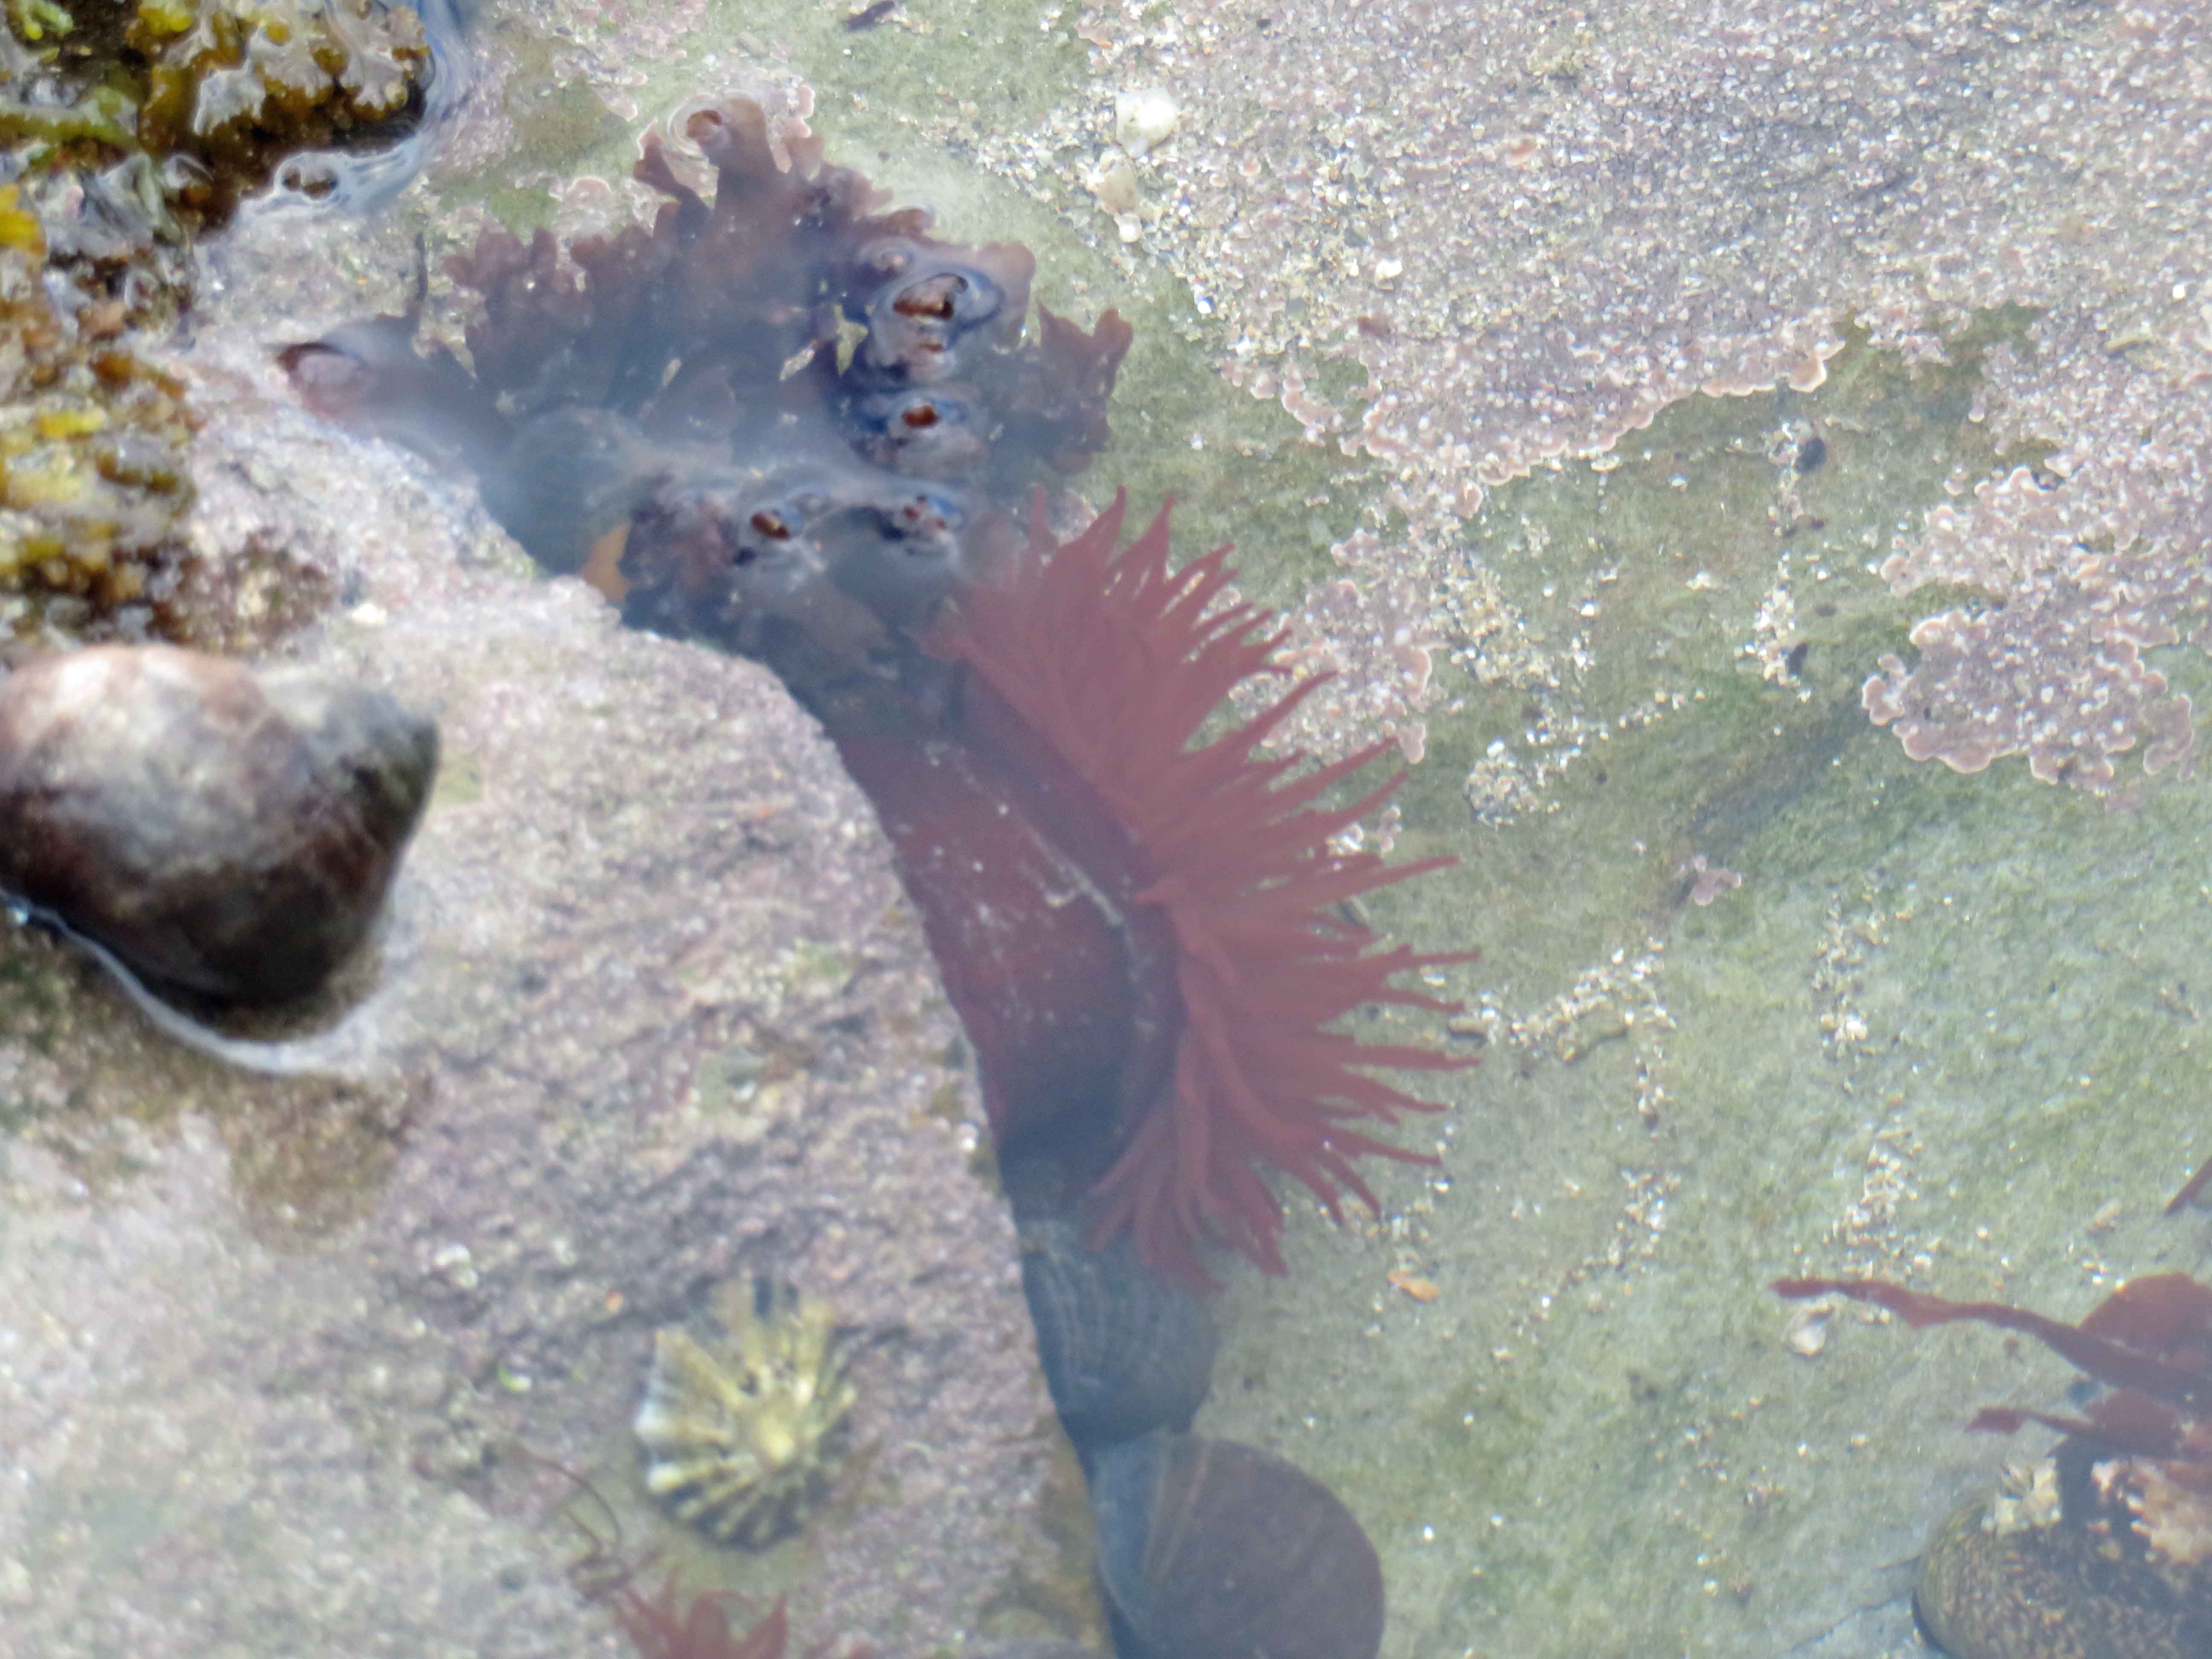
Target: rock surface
[279,1359]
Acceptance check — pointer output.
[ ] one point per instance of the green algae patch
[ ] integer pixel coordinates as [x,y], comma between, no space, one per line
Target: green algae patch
[1934,1025]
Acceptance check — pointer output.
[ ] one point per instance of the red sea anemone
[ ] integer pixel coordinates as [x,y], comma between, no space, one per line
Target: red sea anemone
[1135,925]
[783,421]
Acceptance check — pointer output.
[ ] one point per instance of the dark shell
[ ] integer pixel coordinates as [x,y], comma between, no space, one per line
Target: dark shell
[224,831]
[1210,1550]
[1124,1350]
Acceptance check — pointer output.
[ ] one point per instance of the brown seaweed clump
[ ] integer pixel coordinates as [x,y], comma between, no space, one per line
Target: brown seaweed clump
[714,415]
[2106,1547]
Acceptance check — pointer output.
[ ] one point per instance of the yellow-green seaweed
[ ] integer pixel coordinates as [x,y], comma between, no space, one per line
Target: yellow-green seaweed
[92,482]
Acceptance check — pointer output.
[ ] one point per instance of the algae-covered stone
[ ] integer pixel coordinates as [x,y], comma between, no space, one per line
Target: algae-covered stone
[240,83]
[216,93]
[92,483]
[2053,1592]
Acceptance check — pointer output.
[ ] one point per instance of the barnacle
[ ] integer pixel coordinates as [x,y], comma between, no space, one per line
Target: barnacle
[742,1419]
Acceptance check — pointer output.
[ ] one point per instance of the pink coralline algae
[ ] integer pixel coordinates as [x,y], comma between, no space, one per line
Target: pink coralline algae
[1534,230]
[2087,569]
[2056,671]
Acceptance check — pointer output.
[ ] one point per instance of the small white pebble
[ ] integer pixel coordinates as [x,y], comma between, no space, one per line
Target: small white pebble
[1145,118]
[1807,1333]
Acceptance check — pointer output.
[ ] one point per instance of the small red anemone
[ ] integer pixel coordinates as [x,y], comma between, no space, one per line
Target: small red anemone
[665,1629]
[1093,669]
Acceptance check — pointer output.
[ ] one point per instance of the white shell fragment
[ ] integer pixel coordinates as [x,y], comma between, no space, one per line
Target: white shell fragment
[1113,180]
[1145,118]
[1807,1332]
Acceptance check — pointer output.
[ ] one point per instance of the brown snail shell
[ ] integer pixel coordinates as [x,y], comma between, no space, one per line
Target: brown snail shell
[1210,1550]
[229,831]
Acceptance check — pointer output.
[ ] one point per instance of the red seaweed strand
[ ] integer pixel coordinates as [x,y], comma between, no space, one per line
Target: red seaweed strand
[2149,1335]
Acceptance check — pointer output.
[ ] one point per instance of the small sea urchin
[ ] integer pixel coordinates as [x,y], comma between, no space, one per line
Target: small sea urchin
[742,1425]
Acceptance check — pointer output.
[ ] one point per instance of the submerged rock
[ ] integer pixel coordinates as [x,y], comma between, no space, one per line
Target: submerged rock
[229,831]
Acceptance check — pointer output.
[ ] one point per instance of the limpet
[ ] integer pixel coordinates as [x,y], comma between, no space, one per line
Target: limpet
[743,1420]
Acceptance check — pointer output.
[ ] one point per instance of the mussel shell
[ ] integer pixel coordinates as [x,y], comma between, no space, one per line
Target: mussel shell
[224,831]
[1124,1350]
[1210,1550]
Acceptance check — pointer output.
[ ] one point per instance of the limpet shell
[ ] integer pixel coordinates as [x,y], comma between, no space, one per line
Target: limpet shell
[224,829]
[743,1420]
